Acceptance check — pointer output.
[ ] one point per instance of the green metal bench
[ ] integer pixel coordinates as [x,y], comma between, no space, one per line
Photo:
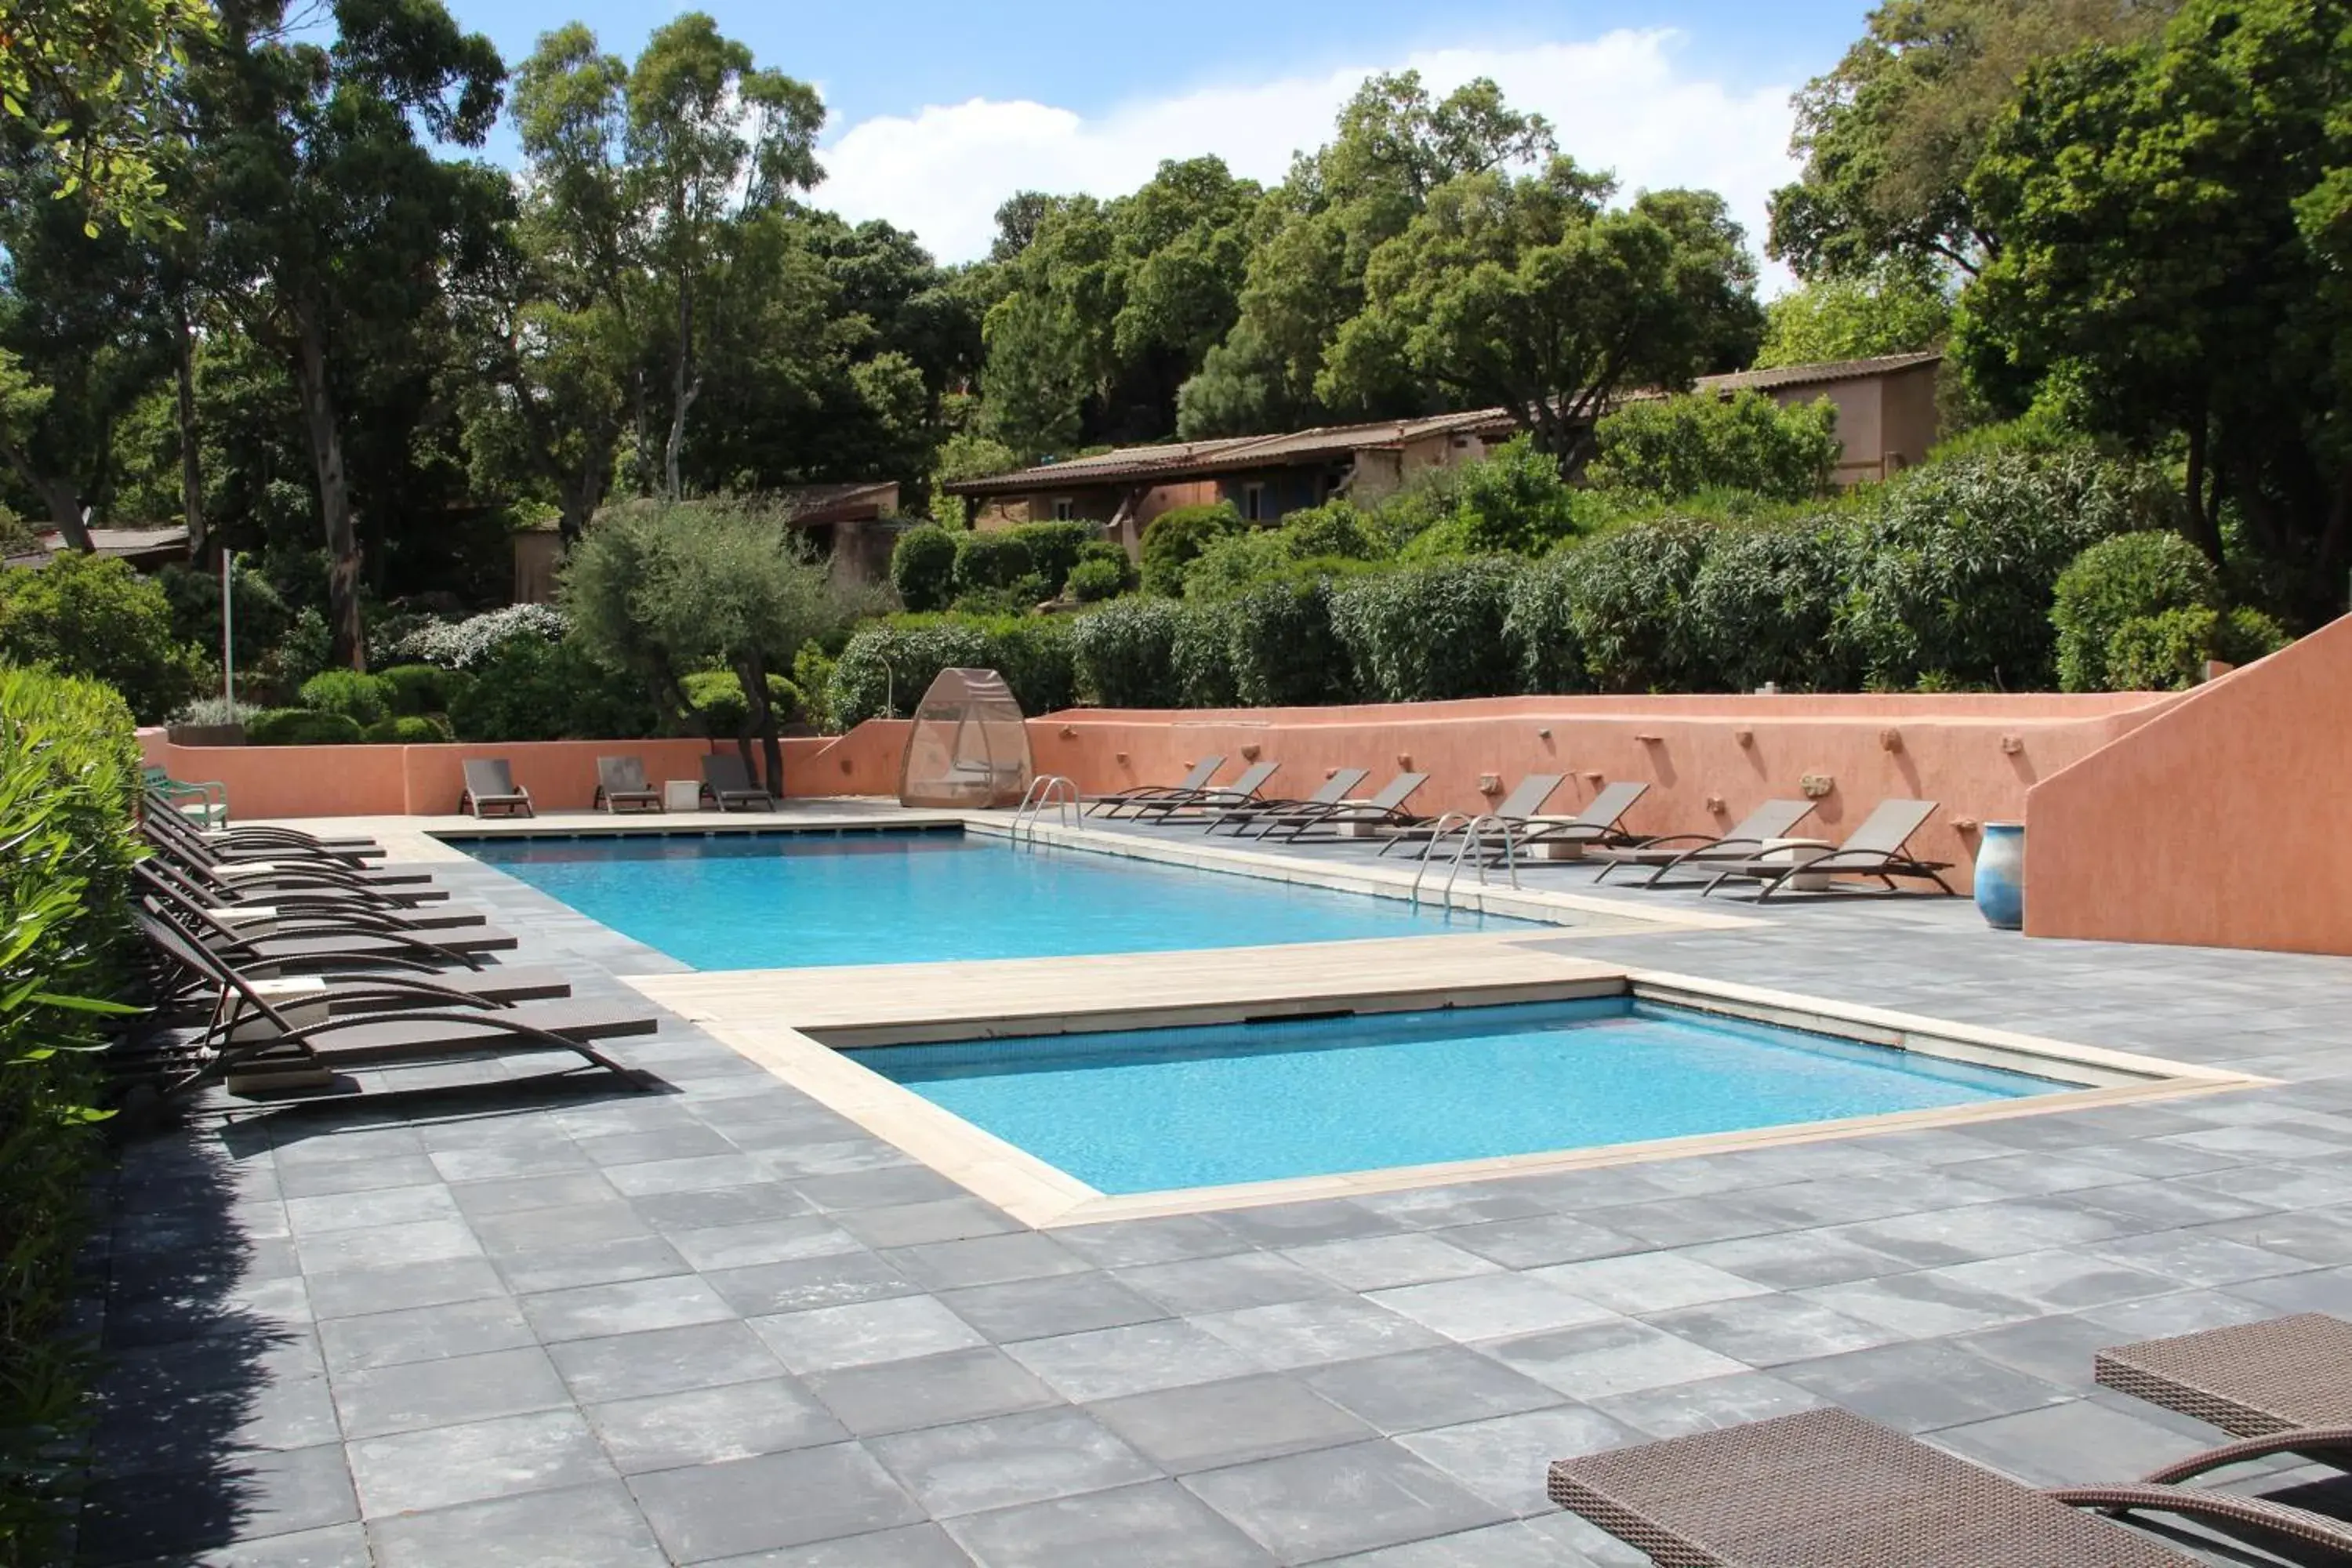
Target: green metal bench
[205,804]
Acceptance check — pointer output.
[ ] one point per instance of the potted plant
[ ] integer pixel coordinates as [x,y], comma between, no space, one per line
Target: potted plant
[209,722]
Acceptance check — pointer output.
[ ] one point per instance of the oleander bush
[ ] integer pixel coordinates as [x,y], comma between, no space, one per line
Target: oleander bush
[1282,648]
[1094,580]
[1124,653]
[1429,633]
[95,617]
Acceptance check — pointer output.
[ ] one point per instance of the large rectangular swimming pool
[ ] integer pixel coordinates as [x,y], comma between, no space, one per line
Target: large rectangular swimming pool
[786,900]
[1153,1109]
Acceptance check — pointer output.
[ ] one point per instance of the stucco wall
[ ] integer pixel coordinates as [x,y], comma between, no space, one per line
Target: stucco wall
[2216,824]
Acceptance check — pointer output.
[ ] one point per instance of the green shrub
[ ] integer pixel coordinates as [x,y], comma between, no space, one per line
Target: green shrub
[1111,555]
[716,698]
[2131,578]
[1338,529]
[1513,502]
[535,691]
[95,617]
[362,699]
[259,615]
[922,567]
[986,560]
[1628,601]
[1201,657]
[1539,633]
[416,689]
[1672,447]
[68,785]
[2163,652]
[1172,539]
[1429,633]
[1124,653]
[408,730]
[813,678]
[1229,565]
[1764,605]
[1055,547]
[303,727]
[1282,651]
[2246,635]
[1093,580]
[889,664]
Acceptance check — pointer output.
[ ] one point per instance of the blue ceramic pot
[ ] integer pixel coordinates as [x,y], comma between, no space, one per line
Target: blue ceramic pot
[2000,875]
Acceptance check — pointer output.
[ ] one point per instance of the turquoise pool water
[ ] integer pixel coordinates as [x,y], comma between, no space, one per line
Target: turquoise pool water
[792,900]
[1148,1110]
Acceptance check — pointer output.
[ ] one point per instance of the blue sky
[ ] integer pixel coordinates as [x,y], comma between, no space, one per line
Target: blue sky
[940,110]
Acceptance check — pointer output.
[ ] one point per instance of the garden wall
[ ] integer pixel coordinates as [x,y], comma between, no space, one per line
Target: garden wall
[2214,824]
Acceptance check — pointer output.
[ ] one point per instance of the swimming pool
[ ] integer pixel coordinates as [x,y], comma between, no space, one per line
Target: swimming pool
[1153,1109]
[789,900]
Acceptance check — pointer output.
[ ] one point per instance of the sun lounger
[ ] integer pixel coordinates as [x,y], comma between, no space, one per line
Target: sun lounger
[1596,824]
[1517,806]
[1825,1488]
[1333,791]
[621,786]
[1743,841]
[1382,812]
[726,779]
[256,1044]
[403,888]
[264,842]
[2282,1386]
[247,908]
[247,836]
[321,944]
[1207,802]
[1192,782]
[490,788]
[1873,849]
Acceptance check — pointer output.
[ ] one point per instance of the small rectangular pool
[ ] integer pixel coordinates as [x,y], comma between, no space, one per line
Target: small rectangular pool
[786,900]
[1153,1109]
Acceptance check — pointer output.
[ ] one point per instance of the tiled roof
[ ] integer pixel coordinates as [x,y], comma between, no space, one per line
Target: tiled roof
[124,540]
[1233,454]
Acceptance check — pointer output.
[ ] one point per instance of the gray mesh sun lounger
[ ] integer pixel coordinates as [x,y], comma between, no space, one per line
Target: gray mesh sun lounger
[1383,810]
[1596,824]
[1744,839]
[1192,782]
[301,949]
[353,854]
[727,781]
[1825,1488]
[1207,802]
[490,788]
[262,835]
[191,847]
[1332,792]
[621,786]
[1873,849]
[1518,806]
[2283,1386]
[239,906]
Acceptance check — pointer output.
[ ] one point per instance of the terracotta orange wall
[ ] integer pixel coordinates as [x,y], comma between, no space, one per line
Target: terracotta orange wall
[1977,755]
[2217,824]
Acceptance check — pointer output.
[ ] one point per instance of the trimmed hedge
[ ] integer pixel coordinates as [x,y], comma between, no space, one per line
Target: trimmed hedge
[416,689]
[716,698]
[303,727]
[408,730]
[362,699]
[1429,633]
[1172,539]
[1124,654]
[68,785]
[889,664]
[2117,581]
[1094,580]
[534,690]
[922,567]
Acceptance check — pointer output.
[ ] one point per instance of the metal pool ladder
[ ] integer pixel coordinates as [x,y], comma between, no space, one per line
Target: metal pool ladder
[1046,789]
[1474,833]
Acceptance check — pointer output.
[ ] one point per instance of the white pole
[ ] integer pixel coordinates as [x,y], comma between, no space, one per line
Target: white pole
[229,646]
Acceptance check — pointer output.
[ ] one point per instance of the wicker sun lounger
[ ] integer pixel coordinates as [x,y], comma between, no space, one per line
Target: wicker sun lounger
[1377,815]
[1743,840]
[1595,825]
[1517,806]
[726,779]
[621,786]
[490,788]
[1873,849]
[1194,781]
[1332,791]
[2282,1386]
[1207,803]
[1825,1488]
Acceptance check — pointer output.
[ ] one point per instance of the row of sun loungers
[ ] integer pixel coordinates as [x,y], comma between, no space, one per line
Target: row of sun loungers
[294,958]
[1826,1486]
[621,787]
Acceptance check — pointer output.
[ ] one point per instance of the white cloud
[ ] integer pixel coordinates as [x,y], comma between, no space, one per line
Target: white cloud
[1618,101]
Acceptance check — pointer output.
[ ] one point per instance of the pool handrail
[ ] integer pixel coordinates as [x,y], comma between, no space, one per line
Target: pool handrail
[1046,789]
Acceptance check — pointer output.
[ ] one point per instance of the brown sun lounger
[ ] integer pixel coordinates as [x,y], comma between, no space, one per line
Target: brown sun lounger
[1742,841]
[1331,791]
[1517,806]
[1825,1488]
[490,788]
[243,907]
[262,835]
[304,949]
[1383,811]
[1873,849]
[1595,825]
[2282,1386]
[726,779]
[621,786]
[1192,782]
[194,848]
[1208,802]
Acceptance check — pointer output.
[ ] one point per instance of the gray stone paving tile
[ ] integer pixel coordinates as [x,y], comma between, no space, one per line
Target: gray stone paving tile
[401,1398]
[2033,1174]
[1104,1363]
[337,1546]
[2051,1281]
[1132,1243]
[684,1140]
[1985,1230]
[1766,1331]
[1925,1304]
[363,1291]
[929,1391]
[1384,1262]
[1491,1306]
[1226,1284]
[412,1471]
[829,1280]
[1157,1522]
[986,1260]
[2164,1206]
[517,1195]
[710,1426]
[523,1233]
[581,1527]
[2195,1257]
[914,1225]
[671,1212]
[1534,1242]
[1432,1208]
[1332,1501]
[2056,1349]
[387,1246]
[1620,1356]
[1210,1425]
[1292,1334]
[1647,1282]
[1295,1224]
[1007,1460]
[1677,1409]
[1041,1308]
[1685,1222]
[665,1361]
[891,1188]
[699,1174]
[909,1546]
[1518,1545]
[2183,1312]
[1917,1386]
[2319,1236]
[1428,1388]
[1505,1458]
[2276,1186]
[576,1264]
[830,1338]
[374,1206]
[503,1161]
[330,1144]
[705,1511]
[265,1494]
[2319,1291]
[762,1241]
[596,1312]
[2077,1442]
